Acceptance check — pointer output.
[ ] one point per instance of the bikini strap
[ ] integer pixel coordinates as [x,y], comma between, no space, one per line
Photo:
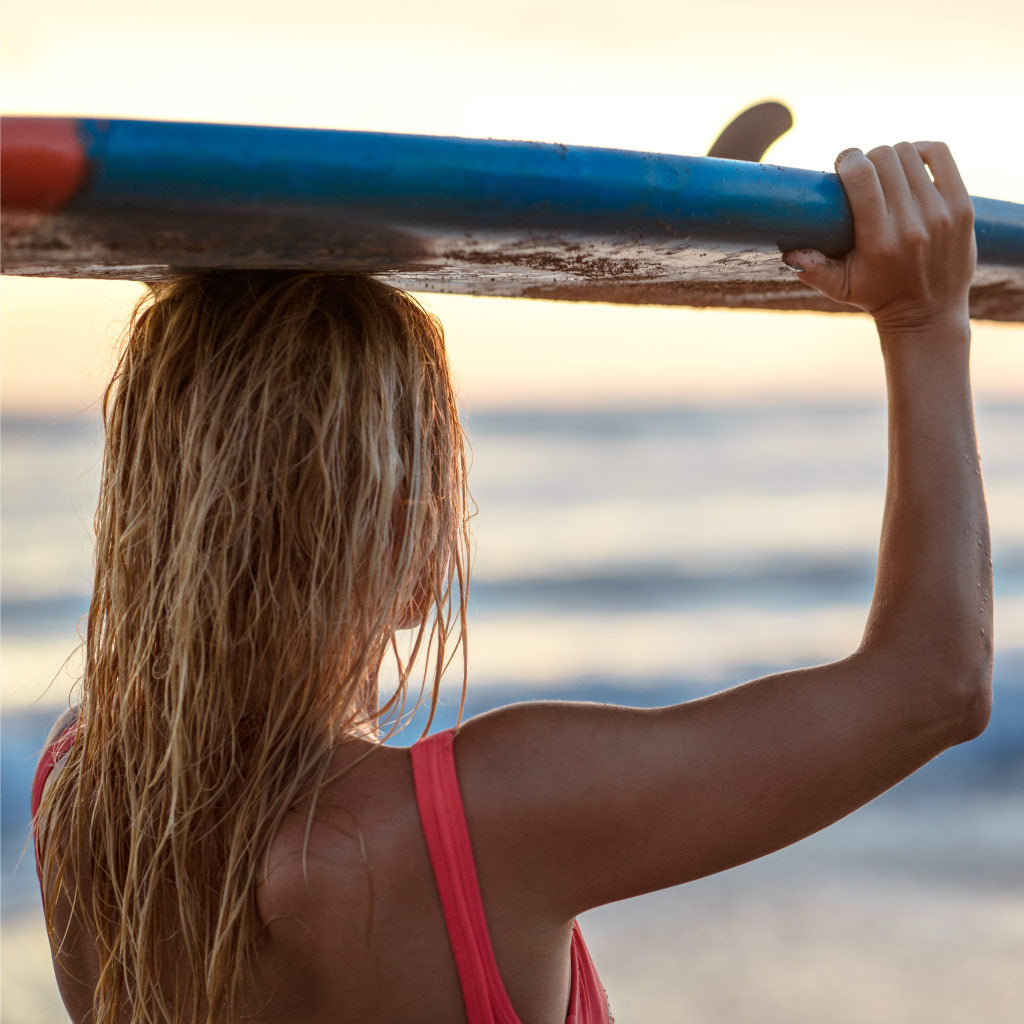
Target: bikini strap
[444,826]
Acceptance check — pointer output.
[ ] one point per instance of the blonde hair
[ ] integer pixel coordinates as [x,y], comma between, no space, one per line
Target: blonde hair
[283,489]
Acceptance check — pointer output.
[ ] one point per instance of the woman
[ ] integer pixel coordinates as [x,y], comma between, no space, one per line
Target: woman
[283,492]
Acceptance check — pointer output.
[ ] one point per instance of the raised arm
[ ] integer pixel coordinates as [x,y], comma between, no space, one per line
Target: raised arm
[572,806]
[911,268]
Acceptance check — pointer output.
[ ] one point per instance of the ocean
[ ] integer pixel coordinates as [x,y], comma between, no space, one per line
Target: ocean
[644,556]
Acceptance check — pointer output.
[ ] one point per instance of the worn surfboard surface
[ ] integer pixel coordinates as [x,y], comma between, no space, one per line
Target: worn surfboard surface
[142,200]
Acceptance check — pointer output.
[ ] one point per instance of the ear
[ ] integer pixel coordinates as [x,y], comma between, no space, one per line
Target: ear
[416,610]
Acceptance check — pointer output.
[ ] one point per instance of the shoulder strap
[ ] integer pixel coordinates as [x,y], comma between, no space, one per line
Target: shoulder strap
[47,762]
[444,827]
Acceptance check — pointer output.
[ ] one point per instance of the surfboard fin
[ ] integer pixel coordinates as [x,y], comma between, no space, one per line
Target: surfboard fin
[748,135]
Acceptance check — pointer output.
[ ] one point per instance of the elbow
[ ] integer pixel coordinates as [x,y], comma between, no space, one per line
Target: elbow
[968,684]
[945,688]
[976,717]
[976,701]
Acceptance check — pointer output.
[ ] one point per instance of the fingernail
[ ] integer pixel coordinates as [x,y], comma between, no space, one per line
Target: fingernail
[796,270]
[845,152]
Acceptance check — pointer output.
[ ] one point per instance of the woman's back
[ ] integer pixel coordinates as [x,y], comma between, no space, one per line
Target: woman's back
[366,939]
[356,930]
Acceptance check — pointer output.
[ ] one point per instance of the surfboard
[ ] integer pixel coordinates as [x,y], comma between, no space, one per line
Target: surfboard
[145,199]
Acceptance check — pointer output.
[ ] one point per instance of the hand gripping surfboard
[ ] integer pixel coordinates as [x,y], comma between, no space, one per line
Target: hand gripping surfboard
[145,199]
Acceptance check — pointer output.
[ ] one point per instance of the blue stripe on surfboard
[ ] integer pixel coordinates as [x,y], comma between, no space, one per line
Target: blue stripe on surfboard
[471,184]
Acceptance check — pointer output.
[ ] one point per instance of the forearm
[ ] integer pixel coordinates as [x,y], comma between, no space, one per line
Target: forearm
[932,607]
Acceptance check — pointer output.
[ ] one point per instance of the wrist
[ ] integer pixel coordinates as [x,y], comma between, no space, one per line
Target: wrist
[925,320]
[930,353]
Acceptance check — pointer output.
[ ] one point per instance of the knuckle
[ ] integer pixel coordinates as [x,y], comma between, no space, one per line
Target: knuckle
[881,247]
[881,154]
[933,149]
[914,235]
[962,210]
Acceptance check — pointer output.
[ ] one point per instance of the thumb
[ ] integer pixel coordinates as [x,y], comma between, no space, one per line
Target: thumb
[818,270]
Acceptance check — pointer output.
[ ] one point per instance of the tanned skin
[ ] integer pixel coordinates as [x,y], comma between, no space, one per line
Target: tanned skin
[571,806]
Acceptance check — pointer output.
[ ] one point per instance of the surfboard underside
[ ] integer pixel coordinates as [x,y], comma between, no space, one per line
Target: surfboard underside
[146,200]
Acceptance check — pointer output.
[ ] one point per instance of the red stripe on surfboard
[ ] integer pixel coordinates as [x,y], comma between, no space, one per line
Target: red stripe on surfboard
[42,163]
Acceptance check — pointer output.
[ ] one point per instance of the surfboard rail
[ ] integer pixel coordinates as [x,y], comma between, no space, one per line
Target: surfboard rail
[142,200]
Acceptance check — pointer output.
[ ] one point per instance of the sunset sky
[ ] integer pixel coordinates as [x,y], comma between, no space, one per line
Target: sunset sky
[656,76]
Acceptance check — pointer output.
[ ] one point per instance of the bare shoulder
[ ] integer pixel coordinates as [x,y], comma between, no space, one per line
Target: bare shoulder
[338,879]
[323,840]
[318,833]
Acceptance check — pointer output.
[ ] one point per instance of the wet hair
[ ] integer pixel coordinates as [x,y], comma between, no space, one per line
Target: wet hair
[283,493]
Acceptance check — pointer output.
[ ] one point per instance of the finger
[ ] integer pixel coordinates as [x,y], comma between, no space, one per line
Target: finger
[863,191]
[921,185]
[944,170]
[819,271]
[895,188]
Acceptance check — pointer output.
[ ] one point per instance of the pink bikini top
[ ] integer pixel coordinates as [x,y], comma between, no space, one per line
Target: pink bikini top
[444,826]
